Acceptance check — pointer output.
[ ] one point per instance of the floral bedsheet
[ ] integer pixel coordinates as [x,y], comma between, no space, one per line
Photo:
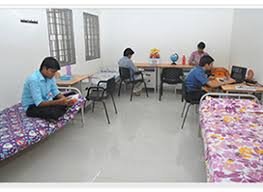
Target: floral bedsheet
[232,130]
[17,131]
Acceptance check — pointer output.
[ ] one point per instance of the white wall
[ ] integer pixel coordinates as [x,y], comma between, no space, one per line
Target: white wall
[23,47]
[232,37]
[169,30]
[247,40]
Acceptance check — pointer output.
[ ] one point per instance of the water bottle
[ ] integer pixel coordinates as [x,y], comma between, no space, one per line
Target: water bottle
[68,70]
[183,60]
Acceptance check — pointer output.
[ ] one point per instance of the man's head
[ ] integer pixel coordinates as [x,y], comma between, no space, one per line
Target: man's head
[206,62]
[49,67]
[201,47]
[128,53]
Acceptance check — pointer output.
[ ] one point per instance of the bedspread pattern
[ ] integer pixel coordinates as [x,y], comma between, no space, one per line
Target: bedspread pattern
[232,130]
[17,131]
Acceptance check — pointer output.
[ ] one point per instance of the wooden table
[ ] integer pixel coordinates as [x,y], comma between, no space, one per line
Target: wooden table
[180,66]
[145,65]
[74,80]
[232,88]
[163,65]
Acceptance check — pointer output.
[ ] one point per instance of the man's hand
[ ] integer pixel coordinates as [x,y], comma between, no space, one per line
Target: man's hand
[62,101]
[229,81]
[211,78]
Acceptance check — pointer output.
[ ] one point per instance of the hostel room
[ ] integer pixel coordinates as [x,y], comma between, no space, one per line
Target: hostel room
[131,95]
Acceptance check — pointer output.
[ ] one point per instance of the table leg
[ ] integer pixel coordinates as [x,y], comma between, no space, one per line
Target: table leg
[157,80]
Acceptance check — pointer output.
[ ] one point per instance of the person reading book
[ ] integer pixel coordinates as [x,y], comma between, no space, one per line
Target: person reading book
[41,97]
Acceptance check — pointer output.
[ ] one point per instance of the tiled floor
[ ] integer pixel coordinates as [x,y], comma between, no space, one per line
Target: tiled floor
[143,143]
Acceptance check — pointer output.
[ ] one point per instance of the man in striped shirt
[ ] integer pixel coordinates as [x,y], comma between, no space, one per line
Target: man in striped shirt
[197,55]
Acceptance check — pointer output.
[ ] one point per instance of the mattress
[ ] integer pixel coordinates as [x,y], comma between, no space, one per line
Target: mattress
[232,130]
[17,131]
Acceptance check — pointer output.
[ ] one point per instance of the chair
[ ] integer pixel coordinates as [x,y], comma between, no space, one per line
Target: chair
[189,100]
[170,76]
[97,94]
[125,76]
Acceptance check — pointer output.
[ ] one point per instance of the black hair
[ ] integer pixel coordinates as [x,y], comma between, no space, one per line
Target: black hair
[50,63]
[128,52]
[201,45]
[206,59]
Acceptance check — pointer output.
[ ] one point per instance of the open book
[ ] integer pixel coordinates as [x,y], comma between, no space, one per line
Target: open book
[73,99]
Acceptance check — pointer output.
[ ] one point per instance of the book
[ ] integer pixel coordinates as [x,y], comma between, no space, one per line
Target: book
[73,99]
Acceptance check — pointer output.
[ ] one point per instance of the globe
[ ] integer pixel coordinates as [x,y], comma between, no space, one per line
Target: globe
[174,57]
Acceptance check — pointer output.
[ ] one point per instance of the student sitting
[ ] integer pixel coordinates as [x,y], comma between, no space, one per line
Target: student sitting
[126,62]
[41,97]
[196,55]
[197,78]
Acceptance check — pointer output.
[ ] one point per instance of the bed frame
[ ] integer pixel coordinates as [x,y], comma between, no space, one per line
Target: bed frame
[232,95]
[226,95]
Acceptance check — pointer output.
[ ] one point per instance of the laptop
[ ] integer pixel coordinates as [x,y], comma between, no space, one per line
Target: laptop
[238,73]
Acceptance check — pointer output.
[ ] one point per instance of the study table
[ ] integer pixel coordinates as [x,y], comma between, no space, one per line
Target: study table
[241,87]
[256,89]
[74,80]
[238,88]
[163,65]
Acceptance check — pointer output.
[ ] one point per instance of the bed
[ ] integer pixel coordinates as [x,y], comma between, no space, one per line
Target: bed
[18,132]
[232,131]
[104,76]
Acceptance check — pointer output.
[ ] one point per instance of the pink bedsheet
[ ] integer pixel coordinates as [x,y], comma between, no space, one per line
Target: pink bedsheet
[232,131]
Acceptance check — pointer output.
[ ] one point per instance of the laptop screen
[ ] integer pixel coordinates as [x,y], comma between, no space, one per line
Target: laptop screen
[238,73]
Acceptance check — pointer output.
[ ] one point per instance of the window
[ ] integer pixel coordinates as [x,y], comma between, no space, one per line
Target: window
[92,36]
[61,37]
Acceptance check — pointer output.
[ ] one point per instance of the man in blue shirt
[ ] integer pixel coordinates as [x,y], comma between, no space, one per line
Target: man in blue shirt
[126,62]
[197,78]
[41,97]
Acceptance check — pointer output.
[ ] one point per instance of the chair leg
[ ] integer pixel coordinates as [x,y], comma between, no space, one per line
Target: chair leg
[93,105]
[119,92]
[188,107]
[105,108]
[114,104]
[132,91]
[183,109]
[145,87]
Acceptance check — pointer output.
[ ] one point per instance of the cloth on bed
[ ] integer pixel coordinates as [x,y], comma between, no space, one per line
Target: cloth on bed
[232,130]
[103,76]
[17,131]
